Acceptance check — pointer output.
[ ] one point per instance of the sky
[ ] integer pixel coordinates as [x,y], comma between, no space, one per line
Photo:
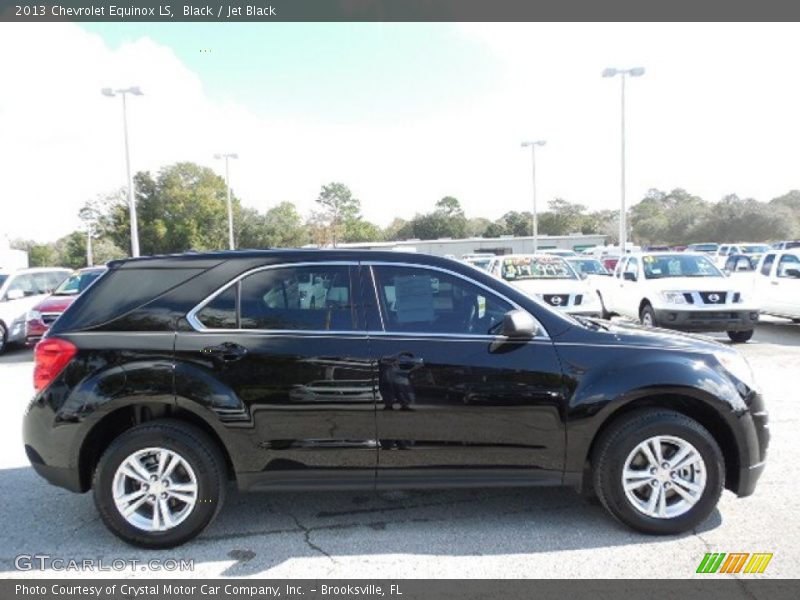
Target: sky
[403,114]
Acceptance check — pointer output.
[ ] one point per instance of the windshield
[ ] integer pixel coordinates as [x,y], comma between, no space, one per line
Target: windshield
[755,249]
[589,266]
[539,267]
[678,265]
[76,283]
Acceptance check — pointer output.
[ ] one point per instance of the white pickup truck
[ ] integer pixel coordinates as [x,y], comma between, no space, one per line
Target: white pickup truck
[776,284]
[679,290]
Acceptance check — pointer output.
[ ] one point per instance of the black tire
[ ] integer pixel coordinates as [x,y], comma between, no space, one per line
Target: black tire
[3,337]
[647,313]
[620,439]
[194,446]
[740,337]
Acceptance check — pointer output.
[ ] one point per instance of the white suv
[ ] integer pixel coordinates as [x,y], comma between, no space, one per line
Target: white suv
[679,290]
[20,291]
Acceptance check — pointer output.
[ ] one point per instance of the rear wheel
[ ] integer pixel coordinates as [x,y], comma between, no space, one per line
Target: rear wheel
[740,337]
[658,471]
[160,484]
[648,316]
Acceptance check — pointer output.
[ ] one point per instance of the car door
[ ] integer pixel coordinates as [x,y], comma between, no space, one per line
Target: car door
[614,288]
[787,285]
[765,284]
[631,295]
[453,402]
[293,377]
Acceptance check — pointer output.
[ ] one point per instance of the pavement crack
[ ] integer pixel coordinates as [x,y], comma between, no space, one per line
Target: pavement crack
[307,536]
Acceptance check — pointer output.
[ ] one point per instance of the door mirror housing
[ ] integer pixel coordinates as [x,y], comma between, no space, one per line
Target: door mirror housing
[14,294]
[518,324]
[628,276]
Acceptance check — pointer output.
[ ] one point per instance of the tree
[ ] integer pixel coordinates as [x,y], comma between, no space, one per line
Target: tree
[280,227]
[398,229]
[338,205]
[563,218]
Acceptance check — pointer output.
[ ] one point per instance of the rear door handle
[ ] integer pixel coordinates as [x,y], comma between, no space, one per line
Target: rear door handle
[227,351]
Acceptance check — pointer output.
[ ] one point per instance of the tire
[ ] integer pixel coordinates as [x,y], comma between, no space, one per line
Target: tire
[203,467]
[622,440]
[647,316]
[3,337]
[740,337]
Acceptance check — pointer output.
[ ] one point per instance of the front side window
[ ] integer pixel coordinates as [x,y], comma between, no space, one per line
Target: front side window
[787,263]
[766,266]
[418,300]
[221,312]
[24,283]
[633,267]
[302,298]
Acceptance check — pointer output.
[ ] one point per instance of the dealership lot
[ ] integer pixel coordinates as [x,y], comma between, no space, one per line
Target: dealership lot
[487,533]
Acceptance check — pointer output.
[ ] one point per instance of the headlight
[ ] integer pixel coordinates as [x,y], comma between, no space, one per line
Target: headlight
[673,297]
[736,364]
[33,315]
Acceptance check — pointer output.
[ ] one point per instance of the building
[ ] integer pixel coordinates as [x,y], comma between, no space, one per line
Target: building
[506,244]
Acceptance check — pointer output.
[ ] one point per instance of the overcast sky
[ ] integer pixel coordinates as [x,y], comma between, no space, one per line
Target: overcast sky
[402,113]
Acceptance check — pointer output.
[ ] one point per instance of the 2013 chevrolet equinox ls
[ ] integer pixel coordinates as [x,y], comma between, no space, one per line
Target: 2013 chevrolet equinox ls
[292,370]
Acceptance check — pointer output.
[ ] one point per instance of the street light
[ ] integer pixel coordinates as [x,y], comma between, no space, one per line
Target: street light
[611,72]
[535,219]
[228,156]
[131,201]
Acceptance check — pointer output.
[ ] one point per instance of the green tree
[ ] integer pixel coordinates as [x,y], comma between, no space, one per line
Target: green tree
[562,218]
[337,207]
[280,227]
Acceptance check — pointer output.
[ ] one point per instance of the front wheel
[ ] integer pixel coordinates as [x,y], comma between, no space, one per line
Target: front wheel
[740,337]
[658,471]
[160,484]
[648,316]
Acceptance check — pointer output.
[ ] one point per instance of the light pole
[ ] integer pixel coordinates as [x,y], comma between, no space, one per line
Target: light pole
[131,201]
[227,157]
[535,218]
[623,73]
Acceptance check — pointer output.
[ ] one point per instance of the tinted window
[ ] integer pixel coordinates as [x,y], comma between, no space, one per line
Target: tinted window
[220,313]
[305,298]
[766,266]
[787,261]
[418,300]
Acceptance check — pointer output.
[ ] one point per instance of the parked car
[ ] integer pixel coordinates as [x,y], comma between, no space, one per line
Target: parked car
[726,250]
[171,376]
[706,248]
[680,291]
[777,284]
[480,261]
[786,245]
[588,266]
[549,278]
[41,316]
[610,261]
[740,263]
[19,292]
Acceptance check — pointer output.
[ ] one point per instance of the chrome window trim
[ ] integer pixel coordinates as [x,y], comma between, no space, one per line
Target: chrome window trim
[195,323]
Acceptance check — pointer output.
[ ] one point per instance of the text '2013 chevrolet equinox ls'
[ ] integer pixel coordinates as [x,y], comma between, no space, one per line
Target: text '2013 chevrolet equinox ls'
[295,370]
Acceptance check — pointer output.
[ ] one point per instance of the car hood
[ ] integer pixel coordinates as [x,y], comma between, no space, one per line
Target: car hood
[626,332]
[551,286]
[695,284]
[55,304]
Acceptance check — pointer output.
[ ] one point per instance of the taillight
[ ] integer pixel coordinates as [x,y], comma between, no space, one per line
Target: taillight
[51,356]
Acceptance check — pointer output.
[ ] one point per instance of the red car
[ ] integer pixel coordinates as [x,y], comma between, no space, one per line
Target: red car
[41,316]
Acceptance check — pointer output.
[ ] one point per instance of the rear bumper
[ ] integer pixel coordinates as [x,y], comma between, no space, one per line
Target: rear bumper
[699,320]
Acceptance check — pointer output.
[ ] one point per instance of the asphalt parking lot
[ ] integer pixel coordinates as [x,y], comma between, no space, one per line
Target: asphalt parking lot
[466,533]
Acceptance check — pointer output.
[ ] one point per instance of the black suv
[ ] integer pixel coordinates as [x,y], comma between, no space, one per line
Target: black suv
[299,370]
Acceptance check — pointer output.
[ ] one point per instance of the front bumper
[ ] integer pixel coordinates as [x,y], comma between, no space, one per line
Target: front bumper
[707,320]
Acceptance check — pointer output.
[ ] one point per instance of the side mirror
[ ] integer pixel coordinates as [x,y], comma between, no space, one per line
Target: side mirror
[792,273]
[629,276]
[15,294]
[518,324]
[582,275]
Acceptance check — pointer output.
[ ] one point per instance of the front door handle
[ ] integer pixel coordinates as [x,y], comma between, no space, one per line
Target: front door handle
[409,361]
[227,351]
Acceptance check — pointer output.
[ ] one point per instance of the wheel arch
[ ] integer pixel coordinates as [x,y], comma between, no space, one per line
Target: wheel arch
[123,418]
[690,406]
